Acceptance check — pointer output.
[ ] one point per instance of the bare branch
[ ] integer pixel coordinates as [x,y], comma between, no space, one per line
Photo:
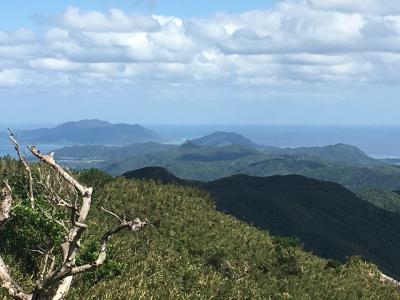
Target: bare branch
[134,226]
[5,203]
[49,159]
[111,213]
[55,276]
[46,268]
[71,244]
[26,166]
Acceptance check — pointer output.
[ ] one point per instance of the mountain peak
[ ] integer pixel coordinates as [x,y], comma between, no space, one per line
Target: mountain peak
[89,123]
[155,173]
[223,138]
[90,131]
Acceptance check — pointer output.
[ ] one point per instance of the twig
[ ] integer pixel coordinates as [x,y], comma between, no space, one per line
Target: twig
[26,166]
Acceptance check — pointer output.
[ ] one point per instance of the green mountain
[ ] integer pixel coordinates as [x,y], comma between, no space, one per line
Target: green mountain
[332,153]
[340,163]
[327,218]
[354,177]
[224,139]
[192,251]
[209,163]
[158,174]
[87,132]
[188,161]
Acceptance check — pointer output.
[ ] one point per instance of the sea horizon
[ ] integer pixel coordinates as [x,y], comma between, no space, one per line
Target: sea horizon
[378,141]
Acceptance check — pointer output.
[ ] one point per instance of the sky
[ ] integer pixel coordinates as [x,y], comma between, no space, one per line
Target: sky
[195,62]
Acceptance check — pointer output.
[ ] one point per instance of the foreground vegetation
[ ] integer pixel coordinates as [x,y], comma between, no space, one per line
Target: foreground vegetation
[327,218]
[191,251]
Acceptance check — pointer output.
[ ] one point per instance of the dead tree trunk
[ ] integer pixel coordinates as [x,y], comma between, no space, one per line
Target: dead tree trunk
[54,281]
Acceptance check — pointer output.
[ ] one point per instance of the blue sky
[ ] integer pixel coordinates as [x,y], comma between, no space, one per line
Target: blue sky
[181,61]
[19,13]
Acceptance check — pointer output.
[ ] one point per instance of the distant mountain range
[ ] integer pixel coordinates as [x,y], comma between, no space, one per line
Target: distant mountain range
[88,132]
[340,163]
[329,219]
[118,148]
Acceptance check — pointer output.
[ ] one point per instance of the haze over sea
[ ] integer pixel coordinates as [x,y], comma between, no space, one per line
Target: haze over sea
[377,141]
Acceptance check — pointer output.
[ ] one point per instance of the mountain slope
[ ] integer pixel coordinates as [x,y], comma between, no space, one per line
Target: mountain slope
[329,219]
[191,251]
[386,200]
[89,132]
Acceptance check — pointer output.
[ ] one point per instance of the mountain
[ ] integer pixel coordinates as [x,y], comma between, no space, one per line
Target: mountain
[209,163]
[327,218]
[188,161]
[86,132]
[223,154]
[192,251]
[196,162]
[332,153]
[158,174]
[224,139]
[352,176]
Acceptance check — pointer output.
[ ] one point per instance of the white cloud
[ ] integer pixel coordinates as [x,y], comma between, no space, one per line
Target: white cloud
[8,78]
[362,6]
[297,41]
[115,21]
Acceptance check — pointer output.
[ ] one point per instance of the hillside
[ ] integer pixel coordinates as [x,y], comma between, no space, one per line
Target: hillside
[386,200]
[86,132]
[328,219]
[193,251]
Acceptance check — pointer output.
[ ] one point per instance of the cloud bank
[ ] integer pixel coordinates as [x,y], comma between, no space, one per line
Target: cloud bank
[296,42]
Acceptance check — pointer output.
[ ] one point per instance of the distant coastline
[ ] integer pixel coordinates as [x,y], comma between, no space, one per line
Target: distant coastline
[377,141]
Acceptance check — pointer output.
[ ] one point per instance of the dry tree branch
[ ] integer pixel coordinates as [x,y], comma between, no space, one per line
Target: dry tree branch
[26,166]
[134,225]
[5,204]
[63,276]
[55,276]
